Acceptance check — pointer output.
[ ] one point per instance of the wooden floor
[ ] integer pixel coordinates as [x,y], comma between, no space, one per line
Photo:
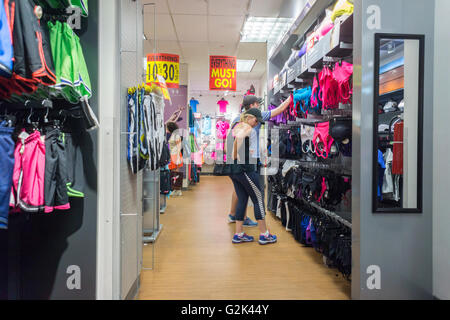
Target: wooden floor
[195,258]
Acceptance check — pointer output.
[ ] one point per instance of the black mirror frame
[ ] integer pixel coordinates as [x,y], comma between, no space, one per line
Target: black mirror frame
[419,208]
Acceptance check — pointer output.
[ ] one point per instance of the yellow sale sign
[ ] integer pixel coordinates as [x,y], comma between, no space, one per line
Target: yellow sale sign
[165,65]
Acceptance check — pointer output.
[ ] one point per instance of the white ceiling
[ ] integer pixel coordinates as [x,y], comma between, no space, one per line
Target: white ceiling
[196,29]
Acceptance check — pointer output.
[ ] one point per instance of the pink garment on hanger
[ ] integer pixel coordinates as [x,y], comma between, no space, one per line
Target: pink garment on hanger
[342,74]
[222,129]
[29,173]
[223,106]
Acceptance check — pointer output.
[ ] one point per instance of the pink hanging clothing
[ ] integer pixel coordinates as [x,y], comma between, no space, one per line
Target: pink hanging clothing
[29,172]
[223,106]
[222,128]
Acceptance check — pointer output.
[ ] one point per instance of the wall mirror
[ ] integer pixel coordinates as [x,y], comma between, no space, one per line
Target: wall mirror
[398,123]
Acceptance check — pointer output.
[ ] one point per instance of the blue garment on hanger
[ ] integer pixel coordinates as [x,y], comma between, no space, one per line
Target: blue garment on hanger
[194,103]
[6,45]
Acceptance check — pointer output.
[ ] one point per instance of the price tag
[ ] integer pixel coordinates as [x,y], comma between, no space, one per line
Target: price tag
[165,65]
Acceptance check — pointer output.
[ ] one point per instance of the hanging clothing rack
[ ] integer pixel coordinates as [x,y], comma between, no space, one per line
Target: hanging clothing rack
[329,213]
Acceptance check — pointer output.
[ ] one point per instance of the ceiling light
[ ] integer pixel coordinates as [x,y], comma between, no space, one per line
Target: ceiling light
[245,65]
[263,29]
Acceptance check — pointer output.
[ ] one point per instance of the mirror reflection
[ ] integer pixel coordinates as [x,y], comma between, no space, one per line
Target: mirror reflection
[397,151]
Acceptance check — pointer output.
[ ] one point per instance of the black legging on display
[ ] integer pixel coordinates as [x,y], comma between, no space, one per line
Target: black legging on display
[247,185]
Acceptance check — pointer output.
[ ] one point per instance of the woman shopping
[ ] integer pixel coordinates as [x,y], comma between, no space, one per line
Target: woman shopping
[245,178]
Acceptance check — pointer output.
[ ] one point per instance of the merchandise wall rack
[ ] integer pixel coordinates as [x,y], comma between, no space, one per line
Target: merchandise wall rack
[324,211]
[335,44]
[310,164]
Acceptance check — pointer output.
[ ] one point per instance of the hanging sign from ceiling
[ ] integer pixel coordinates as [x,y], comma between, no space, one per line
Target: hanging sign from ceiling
[166,65]
[222,73]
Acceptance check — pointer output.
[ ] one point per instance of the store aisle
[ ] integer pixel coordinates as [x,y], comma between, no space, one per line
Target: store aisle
[195,258]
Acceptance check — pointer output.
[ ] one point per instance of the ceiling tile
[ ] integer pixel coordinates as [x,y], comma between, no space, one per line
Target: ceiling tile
[163,47]
[252,50]
[222,48]
[191,28]
[188,7]
[225,28]
[161,6]
[265,8]
[164,27]
[228,7]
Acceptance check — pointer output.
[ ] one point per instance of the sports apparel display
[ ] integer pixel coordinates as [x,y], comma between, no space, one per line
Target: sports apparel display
[312,188]
[41,57]
[72,76]
[33,63]
[146,129]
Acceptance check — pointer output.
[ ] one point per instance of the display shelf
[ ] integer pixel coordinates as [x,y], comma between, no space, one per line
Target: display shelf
[329,213]
[314,164]
[336,43]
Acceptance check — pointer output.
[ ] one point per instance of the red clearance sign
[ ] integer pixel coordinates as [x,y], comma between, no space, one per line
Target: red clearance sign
[222,73]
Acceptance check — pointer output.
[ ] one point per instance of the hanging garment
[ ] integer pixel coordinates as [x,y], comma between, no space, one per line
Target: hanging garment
[29,173]
[381,170]
[316,104]
[342,74]
[72,75]
[388,181]
[151,132]
[82,4]
[322,139]
[135,127]
[56,175]
[397,162]
[222,128]
[193,104]
[223,106]
[307,136]
[35,58]
[206,126]
[302,98]
[329,89]
[6,172]
[6,45]
[33,63]
[159,106]
[75,165]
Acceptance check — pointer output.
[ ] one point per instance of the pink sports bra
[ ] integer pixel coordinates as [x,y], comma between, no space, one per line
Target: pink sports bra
[329,89]
[342,74]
